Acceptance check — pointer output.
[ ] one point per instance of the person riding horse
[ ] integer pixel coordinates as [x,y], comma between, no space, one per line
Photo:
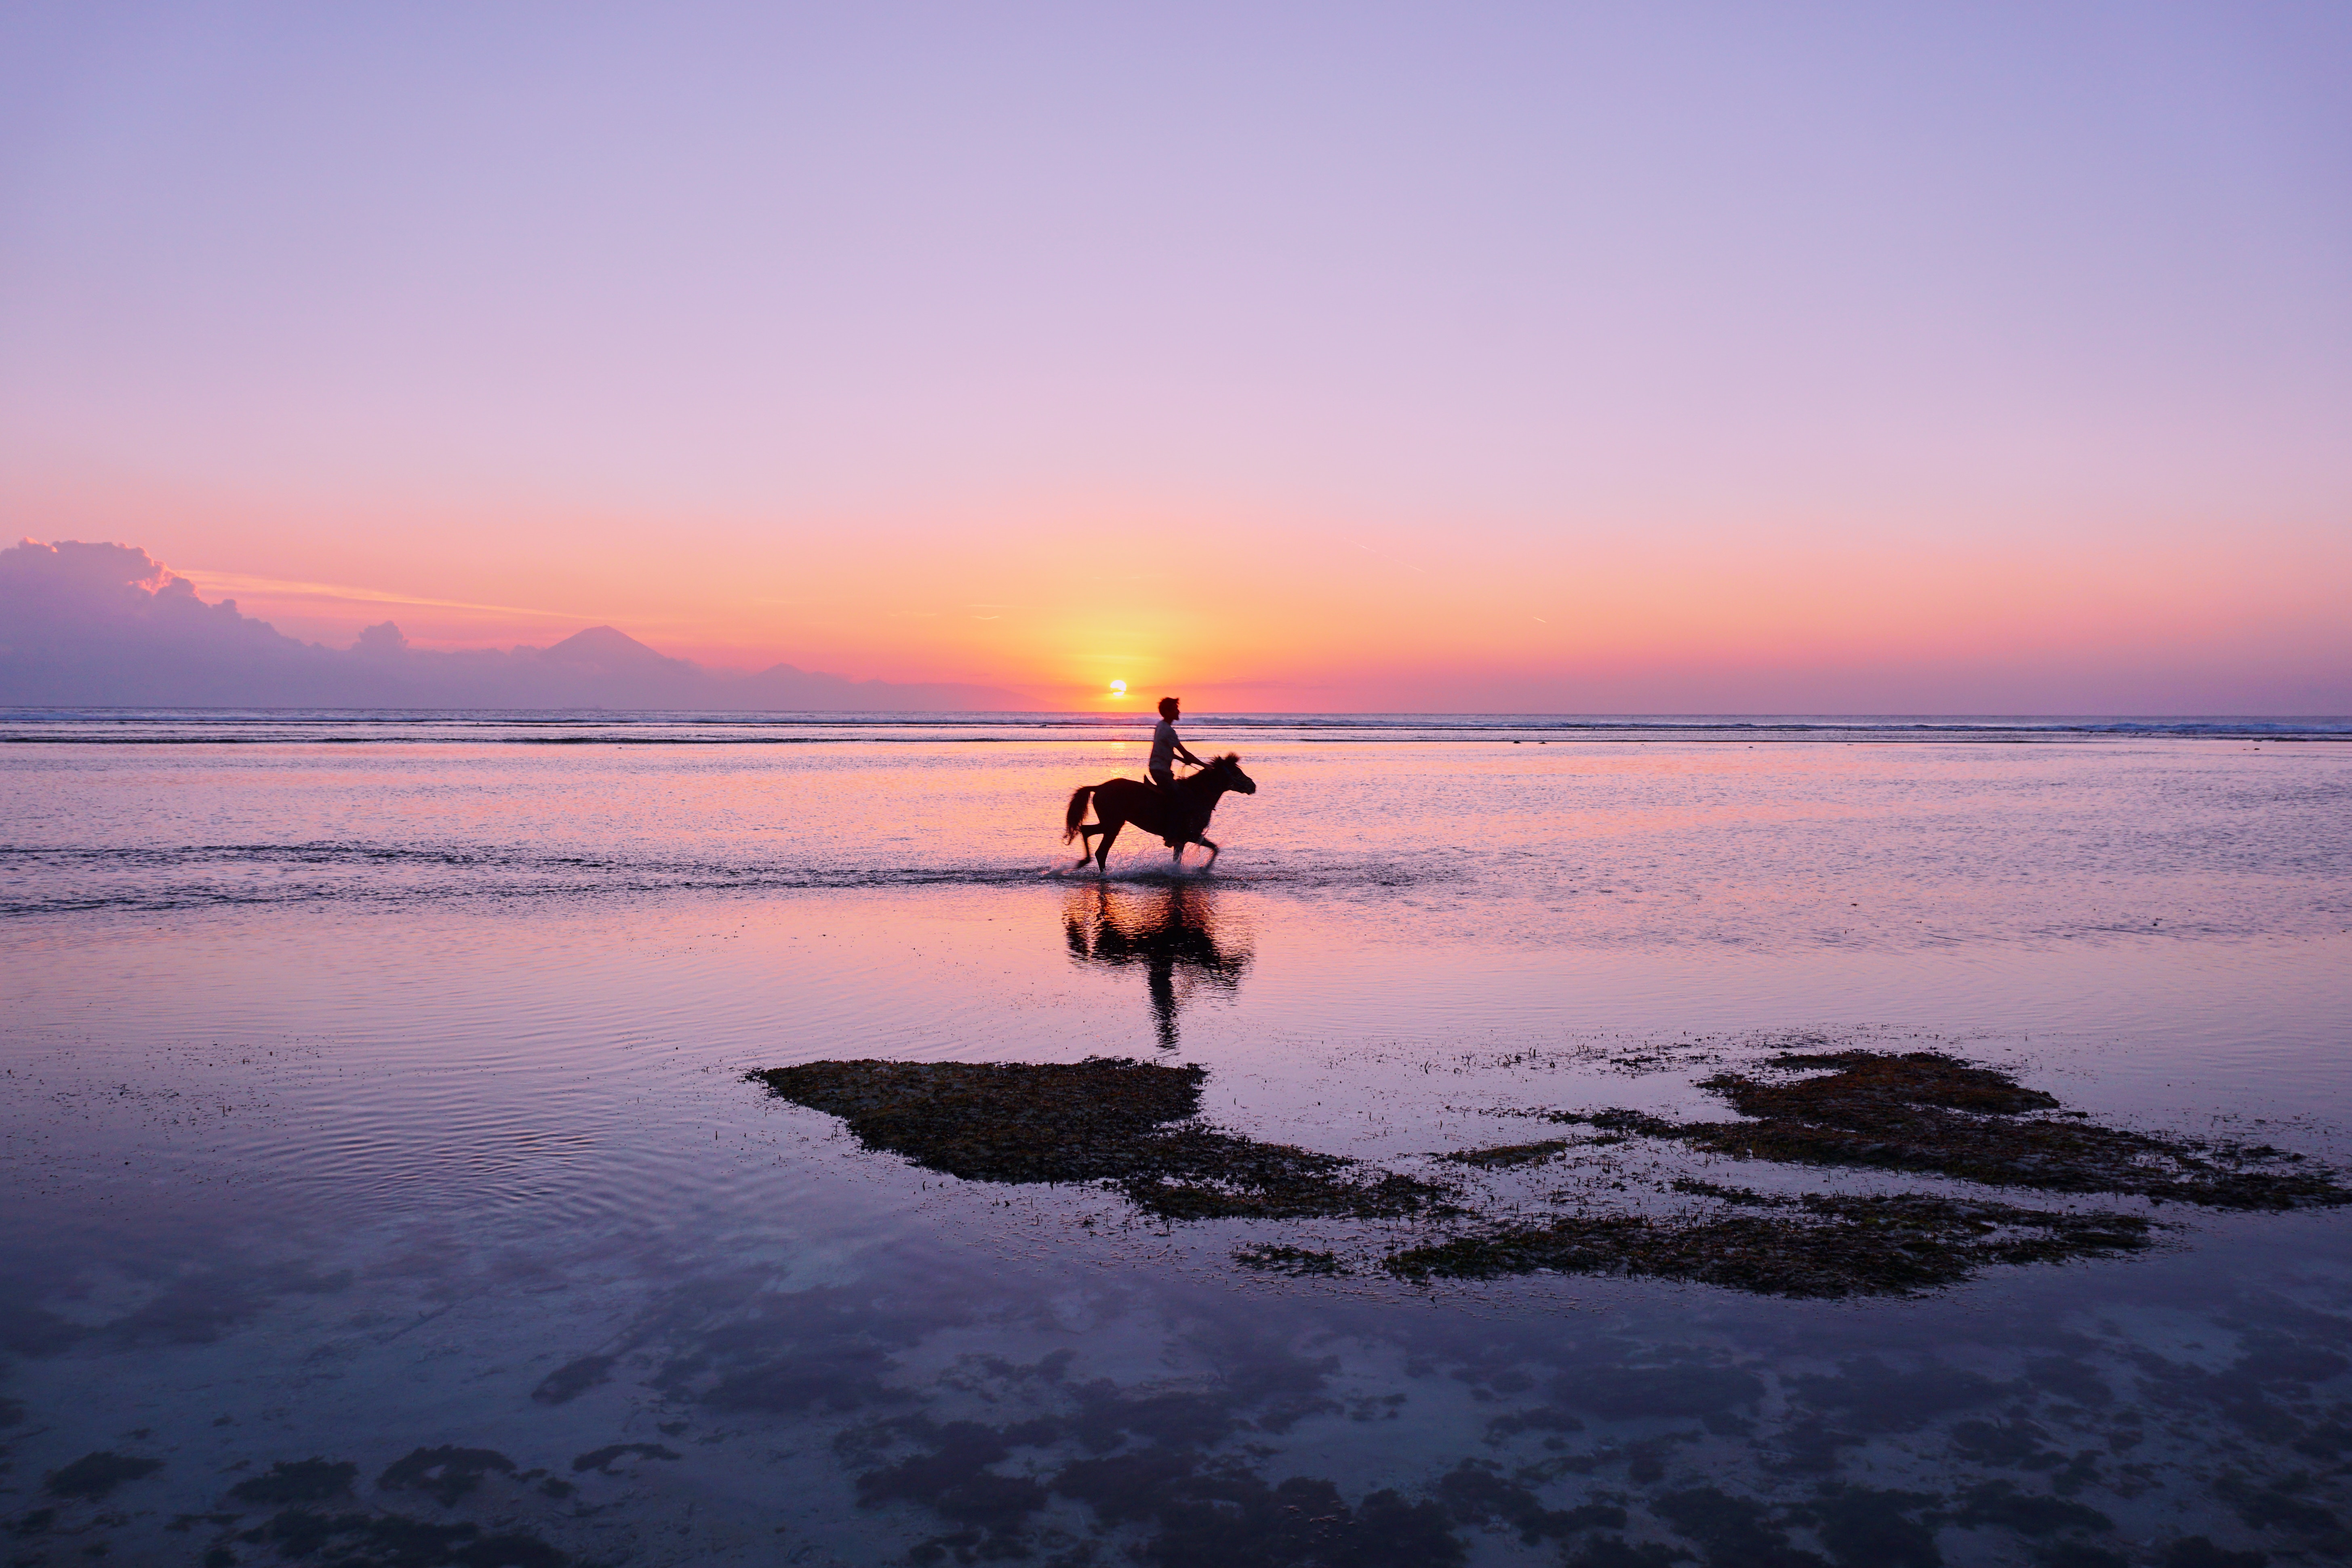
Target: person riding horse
[1165,748]
[1178,810]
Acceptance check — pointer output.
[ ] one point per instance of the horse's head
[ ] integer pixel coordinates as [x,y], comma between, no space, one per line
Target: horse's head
[1229,769]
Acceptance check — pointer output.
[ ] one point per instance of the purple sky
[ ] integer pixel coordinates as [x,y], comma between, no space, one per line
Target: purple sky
[705,320]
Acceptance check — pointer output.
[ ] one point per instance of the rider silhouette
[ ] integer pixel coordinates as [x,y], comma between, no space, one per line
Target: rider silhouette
[1166,747]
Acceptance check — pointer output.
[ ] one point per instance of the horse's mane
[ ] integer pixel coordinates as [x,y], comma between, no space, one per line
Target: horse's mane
[1230,760]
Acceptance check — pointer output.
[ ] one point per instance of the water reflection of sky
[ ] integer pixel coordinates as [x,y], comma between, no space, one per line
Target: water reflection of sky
[345,1177]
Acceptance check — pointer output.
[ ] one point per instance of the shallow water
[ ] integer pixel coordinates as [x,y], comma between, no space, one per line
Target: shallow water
[365,1099]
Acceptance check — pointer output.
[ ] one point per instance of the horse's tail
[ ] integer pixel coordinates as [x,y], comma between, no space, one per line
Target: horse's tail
[1077,812]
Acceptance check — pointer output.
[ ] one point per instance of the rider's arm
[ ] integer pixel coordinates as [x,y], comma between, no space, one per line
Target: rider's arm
[1188,756]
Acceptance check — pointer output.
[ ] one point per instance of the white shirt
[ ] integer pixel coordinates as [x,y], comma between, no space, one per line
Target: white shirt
[1163,748]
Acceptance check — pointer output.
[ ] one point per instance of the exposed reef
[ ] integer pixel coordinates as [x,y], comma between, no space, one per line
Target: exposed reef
[1300,1261]
[1102,1120]
[1812,1246]
[1133,1126]
[1923,1110]
[1504,1155]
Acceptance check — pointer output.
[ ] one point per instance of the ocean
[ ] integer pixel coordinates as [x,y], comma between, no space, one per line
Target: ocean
[384,1173]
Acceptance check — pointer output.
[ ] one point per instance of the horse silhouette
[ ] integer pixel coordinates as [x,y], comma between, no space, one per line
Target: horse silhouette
[1172,933]
[1179,815]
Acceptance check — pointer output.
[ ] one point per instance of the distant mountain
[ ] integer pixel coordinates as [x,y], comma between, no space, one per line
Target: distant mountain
[105,625]
[601,650]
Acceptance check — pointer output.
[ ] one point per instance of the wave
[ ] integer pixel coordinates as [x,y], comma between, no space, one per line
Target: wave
[47,880]
[160,726]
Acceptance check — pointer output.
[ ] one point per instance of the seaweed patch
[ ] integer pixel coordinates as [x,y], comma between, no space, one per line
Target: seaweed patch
[1813,1246]
[1296,1261]
[1134,1127]
[1928,1113]
[1102,1120]
[1507,1154]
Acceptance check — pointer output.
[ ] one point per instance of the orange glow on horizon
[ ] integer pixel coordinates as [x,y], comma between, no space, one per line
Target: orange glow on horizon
[1595,616]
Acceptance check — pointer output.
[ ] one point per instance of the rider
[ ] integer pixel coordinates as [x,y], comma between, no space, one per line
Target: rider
[1165,748]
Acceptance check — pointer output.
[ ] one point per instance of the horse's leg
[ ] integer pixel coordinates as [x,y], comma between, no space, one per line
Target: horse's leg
[1111,825]
[1086,843]
[1211,864]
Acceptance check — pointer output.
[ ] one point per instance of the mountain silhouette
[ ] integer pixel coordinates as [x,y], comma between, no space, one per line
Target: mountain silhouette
[86,625]
[604,651]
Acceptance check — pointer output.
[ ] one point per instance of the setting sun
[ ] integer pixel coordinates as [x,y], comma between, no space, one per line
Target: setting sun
[1119,689]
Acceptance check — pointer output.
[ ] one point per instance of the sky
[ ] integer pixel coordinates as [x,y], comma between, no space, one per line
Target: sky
[1664,358]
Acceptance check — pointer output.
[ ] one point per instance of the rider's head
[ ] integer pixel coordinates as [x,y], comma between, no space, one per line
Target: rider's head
[1168,709]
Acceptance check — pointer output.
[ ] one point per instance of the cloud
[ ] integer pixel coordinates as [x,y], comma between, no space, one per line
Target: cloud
[84,624]
[90,574]
[280,589]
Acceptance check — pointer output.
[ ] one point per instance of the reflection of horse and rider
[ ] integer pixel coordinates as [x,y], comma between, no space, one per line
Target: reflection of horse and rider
[1171,933]
[1178,810]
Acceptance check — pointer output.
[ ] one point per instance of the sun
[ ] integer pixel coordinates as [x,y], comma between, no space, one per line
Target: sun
[1119,689]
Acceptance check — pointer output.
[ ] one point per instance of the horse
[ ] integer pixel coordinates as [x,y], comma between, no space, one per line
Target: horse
[1177,815]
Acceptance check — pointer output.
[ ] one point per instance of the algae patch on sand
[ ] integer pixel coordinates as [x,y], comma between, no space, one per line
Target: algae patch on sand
[1102,1120]
[1504,1155]
[1812,1246]
[1134,1126]
[1929,1113]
